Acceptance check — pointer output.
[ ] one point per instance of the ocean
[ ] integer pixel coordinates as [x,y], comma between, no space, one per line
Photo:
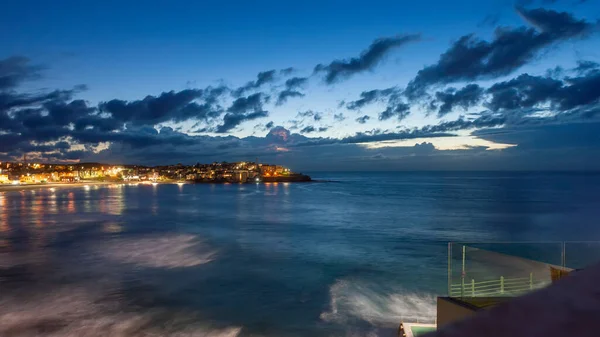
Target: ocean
[352,255]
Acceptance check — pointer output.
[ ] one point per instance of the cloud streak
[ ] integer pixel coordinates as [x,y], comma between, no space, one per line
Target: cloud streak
[465,98]
[339,70]
[470,58]
[262,78]
[362,119]
[15,70]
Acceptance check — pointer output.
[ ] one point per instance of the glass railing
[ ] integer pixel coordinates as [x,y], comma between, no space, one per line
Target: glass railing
[503,269]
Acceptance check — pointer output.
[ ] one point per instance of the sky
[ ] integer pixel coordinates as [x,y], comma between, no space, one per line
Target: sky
[314,85]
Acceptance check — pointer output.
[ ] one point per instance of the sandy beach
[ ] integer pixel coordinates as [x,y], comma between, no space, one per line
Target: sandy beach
[23,187]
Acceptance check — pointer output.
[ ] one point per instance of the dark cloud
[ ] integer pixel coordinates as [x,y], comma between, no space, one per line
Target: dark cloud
[15,70]
[465,98]
[138,138]
[245,104]
[12,100]
[368,59]
[305,117]
[231,120]
[374,136]
[202,130]
[395,106]
[305,114]
[484,121]
[264,127]
[67,155]
[212,95]
[45,118]
[528,91]
[262,78]
[559,25]
[295,124]
[279,145]
[579,91]
[316,116]
[363,119]
[423,148]
[519,102]
[40,117]
[470,58]
[135,137]
[287,71]
[291,86]
[97,123]
[296,82]
[581,113]
[65,113]
[546,136]
[280,135]
[525,91]
[339,117]
[400,111]
[311,129]
[371,96]
[308,129]
[169,106]
[286,94]
[557,71]
[583,66]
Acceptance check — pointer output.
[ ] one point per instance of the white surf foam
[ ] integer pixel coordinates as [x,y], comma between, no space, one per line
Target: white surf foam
[171,251]
[85,312]
[356,300]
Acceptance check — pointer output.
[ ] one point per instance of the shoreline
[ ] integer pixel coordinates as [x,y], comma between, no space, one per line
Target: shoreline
[24,187]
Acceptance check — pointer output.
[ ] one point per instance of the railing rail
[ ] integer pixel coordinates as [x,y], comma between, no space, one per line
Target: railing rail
[506,268]
[499,287]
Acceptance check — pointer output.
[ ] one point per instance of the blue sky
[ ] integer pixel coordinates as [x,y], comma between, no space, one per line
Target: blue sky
[127,51]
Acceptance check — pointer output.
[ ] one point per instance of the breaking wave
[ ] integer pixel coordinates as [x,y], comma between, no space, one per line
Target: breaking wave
[91,293]
[81,312]
[172,251]
[377,305]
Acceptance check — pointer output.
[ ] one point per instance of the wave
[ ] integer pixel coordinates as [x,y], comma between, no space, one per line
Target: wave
[342,193]
[171,251]
[377,305]
[90,294]
[85,312]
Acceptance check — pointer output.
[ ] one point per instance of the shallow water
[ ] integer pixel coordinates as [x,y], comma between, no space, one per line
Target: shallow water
[351,257]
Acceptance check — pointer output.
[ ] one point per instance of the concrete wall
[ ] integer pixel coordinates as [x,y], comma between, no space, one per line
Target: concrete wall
[450,310]
[568,307]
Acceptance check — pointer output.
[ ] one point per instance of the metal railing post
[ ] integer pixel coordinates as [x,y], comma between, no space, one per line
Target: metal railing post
[501,284]
[472,287]
[563,255]
[462,278]
[530,281]
[449,268]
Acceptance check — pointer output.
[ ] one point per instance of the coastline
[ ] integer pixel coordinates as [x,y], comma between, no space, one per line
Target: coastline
[8,188]
[25,187]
